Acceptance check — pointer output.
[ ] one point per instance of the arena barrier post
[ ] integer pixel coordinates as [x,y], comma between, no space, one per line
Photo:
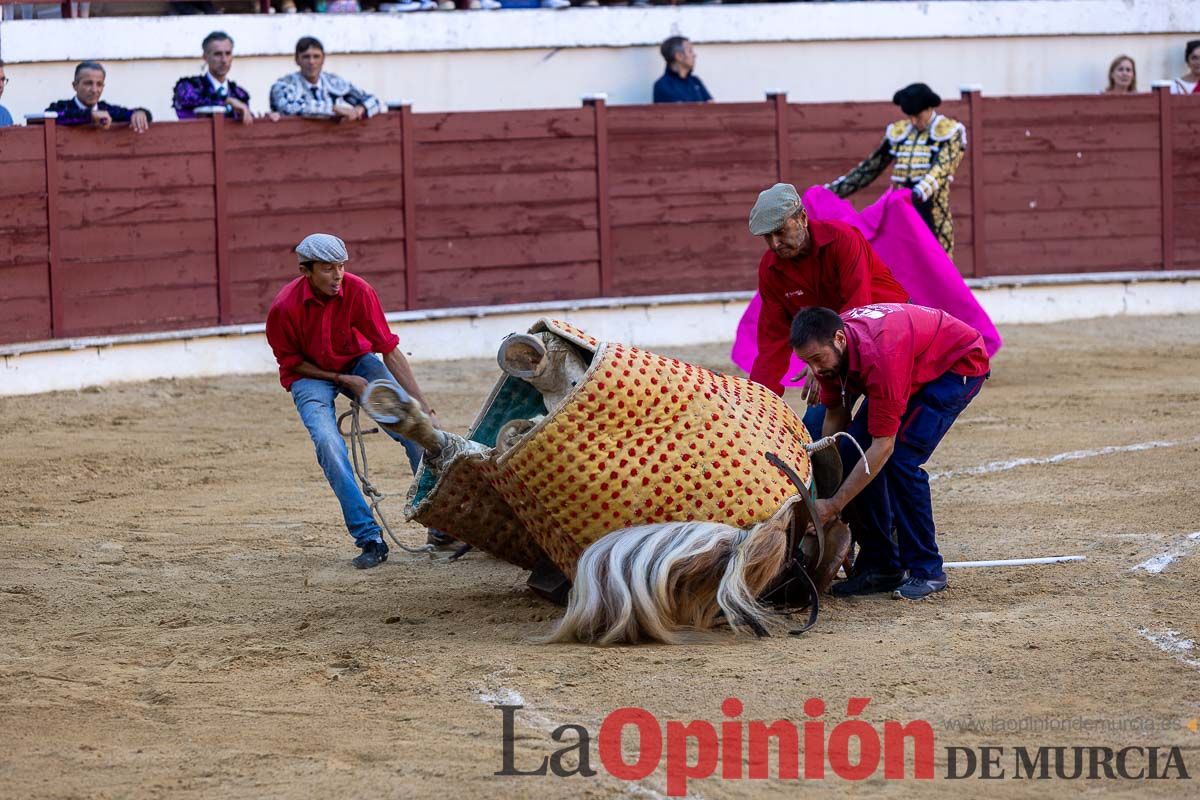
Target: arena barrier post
[972,94]
[599,105]
[783,150]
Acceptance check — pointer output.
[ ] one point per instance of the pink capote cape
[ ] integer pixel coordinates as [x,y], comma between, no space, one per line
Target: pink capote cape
[905,243]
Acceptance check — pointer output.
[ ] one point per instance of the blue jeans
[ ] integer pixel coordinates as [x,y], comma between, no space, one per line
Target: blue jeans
[898,497]
[314,400]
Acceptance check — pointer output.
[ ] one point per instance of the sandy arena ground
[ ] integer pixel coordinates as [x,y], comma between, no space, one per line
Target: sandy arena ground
[179,617]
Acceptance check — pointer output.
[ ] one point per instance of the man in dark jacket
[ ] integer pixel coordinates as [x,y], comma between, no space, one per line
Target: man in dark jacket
[86,107]
[679,83]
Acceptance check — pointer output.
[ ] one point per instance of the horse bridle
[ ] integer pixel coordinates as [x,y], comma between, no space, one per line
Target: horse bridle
[793,569]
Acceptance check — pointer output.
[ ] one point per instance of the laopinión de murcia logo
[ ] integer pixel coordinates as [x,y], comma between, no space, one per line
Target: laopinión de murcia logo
[853,749]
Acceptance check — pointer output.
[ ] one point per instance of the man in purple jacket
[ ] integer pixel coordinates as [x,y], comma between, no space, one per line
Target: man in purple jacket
[213,87]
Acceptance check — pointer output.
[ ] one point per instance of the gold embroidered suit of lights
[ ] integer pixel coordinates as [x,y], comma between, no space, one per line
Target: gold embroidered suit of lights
[923,161]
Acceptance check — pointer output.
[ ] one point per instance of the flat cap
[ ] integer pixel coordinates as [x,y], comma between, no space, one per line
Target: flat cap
[915,98]
[322,247]
[773,206]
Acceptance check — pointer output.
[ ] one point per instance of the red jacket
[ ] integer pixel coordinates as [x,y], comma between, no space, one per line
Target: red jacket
[840,272]
[894,349]
[329,333]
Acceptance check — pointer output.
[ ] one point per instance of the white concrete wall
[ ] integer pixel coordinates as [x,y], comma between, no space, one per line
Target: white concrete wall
[475,333]
[539,59]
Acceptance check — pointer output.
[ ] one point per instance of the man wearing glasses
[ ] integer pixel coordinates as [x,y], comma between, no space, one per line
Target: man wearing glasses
[325,328]
[5,117]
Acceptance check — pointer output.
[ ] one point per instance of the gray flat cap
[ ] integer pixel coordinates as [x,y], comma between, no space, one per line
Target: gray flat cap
[322,247]
[774,205]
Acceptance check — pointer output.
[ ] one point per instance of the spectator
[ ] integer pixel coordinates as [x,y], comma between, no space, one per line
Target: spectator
[679,83]
[5,117]
[313,93]
[213,87]
[1189,82]
[86,107]
[1122,76]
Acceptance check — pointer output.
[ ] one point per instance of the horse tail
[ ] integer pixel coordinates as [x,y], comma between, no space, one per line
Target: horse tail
[660,582]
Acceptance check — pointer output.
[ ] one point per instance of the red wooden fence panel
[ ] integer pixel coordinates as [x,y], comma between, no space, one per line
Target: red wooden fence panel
[506,207]
[683,179]
[1072,184]
[136,229]
[193,223]
[294,177]
[1185,116]
[24,237]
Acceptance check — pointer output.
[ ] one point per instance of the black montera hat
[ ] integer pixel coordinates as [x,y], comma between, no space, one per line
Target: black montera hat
[915,98]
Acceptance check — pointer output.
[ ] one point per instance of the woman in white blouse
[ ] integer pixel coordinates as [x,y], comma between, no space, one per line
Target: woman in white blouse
[1189,82]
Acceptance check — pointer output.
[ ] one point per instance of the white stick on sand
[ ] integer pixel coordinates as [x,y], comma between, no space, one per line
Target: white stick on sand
[1014,562]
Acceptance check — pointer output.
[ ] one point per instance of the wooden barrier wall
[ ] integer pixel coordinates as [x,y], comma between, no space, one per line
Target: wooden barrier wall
[1182,163]
[192,224]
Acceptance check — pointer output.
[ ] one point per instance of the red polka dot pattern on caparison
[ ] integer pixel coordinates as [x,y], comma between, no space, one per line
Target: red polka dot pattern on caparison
[651,439]
[558,326]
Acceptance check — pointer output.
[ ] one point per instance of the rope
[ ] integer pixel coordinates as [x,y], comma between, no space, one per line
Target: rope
[830,441]
[358,451]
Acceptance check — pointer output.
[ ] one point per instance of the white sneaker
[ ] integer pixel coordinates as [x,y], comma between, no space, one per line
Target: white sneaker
[446,5]
[490,5]
[556,3]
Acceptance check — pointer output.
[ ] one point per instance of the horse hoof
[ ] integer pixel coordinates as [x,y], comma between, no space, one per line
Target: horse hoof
[384,404]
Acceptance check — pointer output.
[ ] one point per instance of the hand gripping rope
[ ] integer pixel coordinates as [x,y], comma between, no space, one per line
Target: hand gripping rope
[358,452]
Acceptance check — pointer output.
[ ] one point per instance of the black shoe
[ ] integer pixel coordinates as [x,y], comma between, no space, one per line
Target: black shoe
[438,539]
[867,582]
[373,554]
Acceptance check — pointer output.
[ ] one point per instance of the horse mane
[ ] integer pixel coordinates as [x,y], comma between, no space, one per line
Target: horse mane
[664,582]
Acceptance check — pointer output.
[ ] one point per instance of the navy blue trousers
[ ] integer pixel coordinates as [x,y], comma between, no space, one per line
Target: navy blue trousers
[814,420]
[897,498]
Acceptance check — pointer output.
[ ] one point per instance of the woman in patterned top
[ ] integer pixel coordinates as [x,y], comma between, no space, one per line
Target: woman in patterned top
[924,150]
[313,93]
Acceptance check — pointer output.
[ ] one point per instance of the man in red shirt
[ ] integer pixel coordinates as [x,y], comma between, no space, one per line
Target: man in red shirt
[917,369]
[325,328]
[809,263]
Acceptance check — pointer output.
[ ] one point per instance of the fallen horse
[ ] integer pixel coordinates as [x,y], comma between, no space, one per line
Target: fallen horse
[674,498]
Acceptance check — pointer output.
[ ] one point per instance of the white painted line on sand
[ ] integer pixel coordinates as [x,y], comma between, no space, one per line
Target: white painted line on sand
[1014,562]
[1074,455]
[1156,564]
[1171,643]
[501,697]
